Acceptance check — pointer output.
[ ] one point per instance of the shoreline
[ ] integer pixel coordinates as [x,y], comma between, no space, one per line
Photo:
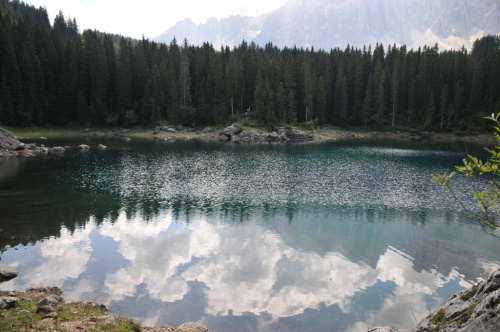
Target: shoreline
[31,141]
[213,134]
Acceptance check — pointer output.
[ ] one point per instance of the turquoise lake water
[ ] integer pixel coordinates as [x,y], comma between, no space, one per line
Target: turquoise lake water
[337,236]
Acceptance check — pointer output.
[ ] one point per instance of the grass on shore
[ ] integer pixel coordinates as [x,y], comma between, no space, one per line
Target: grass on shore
[76,316]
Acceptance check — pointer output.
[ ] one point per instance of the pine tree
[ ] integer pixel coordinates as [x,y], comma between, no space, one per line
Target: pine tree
[260,107]
[367,108]
[431,111]
[235,82]
[123,80]
[477,91]
[173,109]
[444,105]
[380,100]
[269,104]
[395,90]
[280,102]
[185,78]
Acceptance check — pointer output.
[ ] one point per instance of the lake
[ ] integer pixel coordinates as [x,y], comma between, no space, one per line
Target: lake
[267,237]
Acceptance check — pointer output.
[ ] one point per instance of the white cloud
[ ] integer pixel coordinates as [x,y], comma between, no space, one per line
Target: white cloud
[149,17]
[155,253]
[63,258]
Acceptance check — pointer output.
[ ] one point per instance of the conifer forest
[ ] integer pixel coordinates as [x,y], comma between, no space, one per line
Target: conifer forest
[53,73]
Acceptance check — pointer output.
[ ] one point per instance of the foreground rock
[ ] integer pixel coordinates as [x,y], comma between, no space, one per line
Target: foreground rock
[475,309]
[8,272]
[8,140]
[198,326]
[8,302]
[48,304]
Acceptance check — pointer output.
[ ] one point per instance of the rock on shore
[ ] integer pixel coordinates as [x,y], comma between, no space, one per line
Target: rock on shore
[8,140]
[235,134]
[475,309]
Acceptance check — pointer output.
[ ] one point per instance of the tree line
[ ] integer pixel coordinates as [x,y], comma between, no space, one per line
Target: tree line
[53,74]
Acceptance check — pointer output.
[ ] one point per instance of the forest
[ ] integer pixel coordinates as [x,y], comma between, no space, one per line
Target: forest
[54,74]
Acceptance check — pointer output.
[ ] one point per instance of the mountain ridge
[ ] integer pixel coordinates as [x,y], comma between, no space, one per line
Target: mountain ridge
[329,24]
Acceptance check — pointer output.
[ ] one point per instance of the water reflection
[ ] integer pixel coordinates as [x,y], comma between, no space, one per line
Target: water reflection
[246,237]
[226,272]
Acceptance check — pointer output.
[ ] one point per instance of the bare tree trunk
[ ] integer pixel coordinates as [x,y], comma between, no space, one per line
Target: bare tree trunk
[232,108]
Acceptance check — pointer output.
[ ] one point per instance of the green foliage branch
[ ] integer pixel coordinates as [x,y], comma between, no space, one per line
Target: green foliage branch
[489,198]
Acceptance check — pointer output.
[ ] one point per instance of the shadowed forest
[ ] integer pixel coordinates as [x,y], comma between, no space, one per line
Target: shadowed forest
[53,74]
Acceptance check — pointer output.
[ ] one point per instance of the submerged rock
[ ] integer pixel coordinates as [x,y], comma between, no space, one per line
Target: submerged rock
[102,147]
[127,139]
[475,309]
[57,149]
[8,272]
[83,147]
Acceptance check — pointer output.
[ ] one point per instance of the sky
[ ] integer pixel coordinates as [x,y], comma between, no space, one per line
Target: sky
[149,17]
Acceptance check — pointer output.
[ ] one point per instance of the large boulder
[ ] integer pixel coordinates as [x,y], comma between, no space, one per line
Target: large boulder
[230,131]
[475,309]
[8,140]
[272,137]
[8,272]
[249,135]
[57,149]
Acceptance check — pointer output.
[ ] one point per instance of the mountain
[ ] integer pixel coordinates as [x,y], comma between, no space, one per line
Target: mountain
[328,24]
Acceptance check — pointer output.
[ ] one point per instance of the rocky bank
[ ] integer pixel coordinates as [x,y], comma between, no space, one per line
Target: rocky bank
[474,309]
